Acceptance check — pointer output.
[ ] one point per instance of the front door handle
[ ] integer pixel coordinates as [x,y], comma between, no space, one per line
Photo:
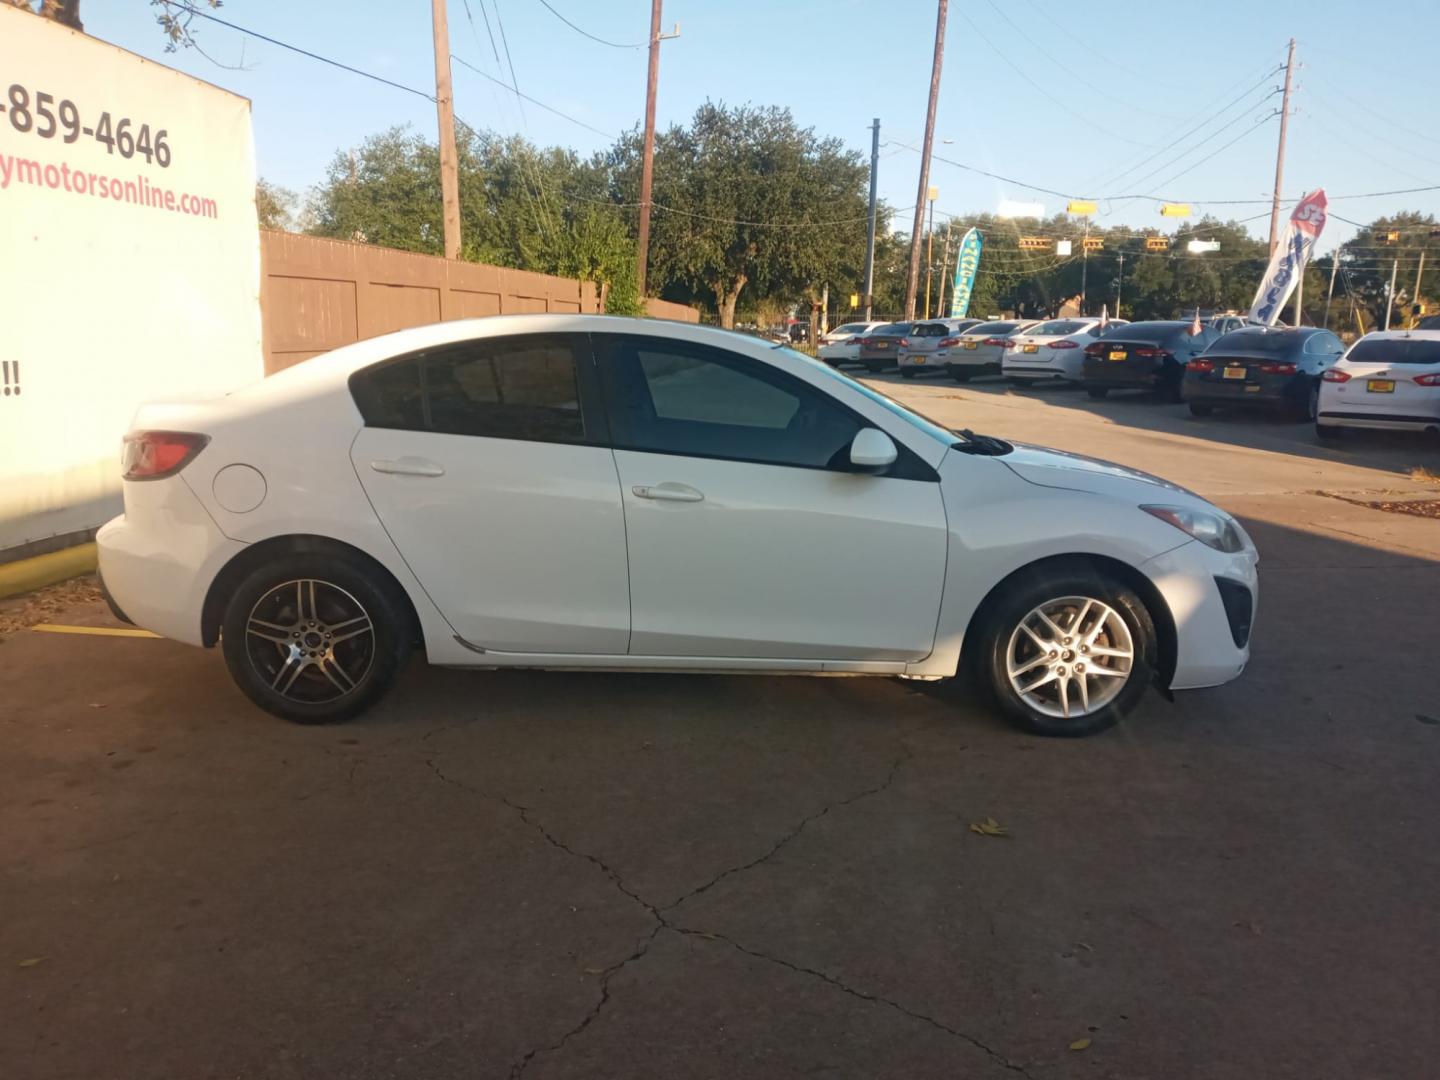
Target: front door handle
[408,466]
[668,492]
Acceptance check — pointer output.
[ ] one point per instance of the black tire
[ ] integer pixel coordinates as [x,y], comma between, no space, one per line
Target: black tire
[1001,623]
[1097,392]
[908,373]
[1307,407]
[1197,409]
[1173,390]
[1327,432]
[959,375]
[874,369]
[342,590]
[1016,380]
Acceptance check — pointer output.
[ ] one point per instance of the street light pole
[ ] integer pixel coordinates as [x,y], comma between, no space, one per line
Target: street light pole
[930,249]
[869,299]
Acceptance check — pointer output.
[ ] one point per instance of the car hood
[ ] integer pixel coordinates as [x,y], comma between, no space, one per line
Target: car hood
[1076,472]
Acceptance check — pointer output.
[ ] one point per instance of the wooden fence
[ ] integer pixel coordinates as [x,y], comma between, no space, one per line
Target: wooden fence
[317,294]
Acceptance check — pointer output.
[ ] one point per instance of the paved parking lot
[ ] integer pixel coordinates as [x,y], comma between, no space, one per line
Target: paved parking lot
[664,876]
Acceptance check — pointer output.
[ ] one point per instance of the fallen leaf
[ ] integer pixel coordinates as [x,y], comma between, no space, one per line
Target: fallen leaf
[594,971]
[989,827]
[33,961]
[1080,1044]
[97,705]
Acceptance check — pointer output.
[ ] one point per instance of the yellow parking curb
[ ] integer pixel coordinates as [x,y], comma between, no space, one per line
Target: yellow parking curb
[99,631]
[27,575]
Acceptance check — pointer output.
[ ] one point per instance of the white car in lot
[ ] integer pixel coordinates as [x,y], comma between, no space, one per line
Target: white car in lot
[841,345]
[597,493]
[980,350]
[1052,350]
[1388,380]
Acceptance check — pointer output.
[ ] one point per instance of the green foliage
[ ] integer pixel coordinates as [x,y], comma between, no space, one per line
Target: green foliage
[1366,262]
[274,205]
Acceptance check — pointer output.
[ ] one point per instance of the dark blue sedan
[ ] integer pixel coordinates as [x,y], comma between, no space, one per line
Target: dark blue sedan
[1268,367]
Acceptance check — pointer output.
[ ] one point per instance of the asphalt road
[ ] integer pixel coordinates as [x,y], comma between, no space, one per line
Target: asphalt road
[664,876]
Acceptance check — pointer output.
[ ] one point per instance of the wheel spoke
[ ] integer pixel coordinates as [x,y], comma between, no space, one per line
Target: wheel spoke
[268,630]
[1079,619]
[353,627]
[1046,677]
[331,669]
[291,668]
[1108,673]
[1041,659]
[1065,696]
[1040,642]
[1054,629]
[1105,650]
[1084,693]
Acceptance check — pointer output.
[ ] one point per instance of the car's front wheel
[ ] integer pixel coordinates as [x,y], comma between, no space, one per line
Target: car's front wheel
[315,638]
[1098,392]
[1068,653]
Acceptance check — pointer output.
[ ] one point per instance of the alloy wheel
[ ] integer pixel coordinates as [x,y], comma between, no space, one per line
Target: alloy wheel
[310,640]
[1070,657]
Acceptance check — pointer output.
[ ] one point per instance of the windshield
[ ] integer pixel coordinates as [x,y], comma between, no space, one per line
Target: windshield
[1155,331]
[1396,351]
[932,428]
[1058,327]
[1257,341]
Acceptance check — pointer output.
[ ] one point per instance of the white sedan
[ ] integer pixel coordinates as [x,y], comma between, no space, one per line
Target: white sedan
[842,345]
[590,492]
[1388,380]
[1051,350]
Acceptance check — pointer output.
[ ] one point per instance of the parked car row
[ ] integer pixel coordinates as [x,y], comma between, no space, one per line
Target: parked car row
[1387,380]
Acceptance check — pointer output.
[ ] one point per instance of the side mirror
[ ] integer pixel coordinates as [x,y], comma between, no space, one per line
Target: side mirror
[872,450]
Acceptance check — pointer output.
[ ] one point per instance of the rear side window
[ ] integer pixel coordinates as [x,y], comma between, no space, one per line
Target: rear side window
[936,330]
[1058,326]
[1396,351]
[502,388]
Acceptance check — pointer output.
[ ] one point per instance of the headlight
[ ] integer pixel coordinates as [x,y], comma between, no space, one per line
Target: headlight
[1211,529]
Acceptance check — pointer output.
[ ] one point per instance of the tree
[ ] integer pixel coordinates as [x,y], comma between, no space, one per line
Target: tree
[746,200]
[174,17]
[1394,242]
[274,205]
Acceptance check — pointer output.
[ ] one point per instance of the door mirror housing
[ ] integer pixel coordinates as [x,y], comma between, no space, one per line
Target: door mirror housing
[873,450]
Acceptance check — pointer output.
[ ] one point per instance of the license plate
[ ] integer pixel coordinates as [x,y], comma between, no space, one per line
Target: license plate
[1031,348]
[972,344]
[917,359]
[1118,354]
[1234,373]
[882,345]
[1380,386]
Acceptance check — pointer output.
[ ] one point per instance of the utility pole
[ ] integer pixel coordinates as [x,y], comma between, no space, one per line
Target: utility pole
[1334,266]
[445,107]
[1419,273]
[868,300]
[1280,154]
[1119,284]
[1084,264]
[930,249]
[944,275]
[647,162]
[1390,300]
[912,280]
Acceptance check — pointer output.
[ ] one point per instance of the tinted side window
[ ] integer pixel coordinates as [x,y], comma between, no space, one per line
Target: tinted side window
[676,398]
[1396,351]
[503,388]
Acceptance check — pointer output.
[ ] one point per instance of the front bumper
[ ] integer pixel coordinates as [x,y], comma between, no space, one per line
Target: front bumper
[1212,639]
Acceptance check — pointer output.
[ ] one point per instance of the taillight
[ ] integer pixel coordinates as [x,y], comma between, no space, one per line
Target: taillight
[1336,376]
[998,341]
[905,341]
[1147,351]
[1095,350]
[1428,380]
[1063,343]
[154,455]
[1278,367]
[1201,365]
[947,343]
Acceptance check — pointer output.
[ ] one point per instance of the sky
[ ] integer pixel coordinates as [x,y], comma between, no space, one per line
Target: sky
[1125,97]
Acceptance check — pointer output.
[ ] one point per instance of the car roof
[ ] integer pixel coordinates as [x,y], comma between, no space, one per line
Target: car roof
[1401,335]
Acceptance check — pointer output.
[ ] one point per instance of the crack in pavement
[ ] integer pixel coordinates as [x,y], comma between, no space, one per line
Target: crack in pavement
[663,923]
[874,999]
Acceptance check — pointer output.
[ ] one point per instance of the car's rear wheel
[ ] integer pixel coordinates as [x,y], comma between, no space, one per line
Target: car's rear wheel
[960,375]
[908,373]
[1068,653]
[1197,409]
[1097,392]
[1017,380]
[1307,407]
[315,638]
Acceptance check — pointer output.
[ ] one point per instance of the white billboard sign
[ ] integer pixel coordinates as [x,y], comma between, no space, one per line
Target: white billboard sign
[129,262]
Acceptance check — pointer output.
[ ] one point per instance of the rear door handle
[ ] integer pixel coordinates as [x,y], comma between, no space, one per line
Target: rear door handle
[668,492]
[408,466]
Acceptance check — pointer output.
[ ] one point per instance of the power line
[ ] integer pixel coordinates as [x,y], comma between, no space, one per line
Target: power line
[586,33]
[1256,126]
[1137,181]
[533,101]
